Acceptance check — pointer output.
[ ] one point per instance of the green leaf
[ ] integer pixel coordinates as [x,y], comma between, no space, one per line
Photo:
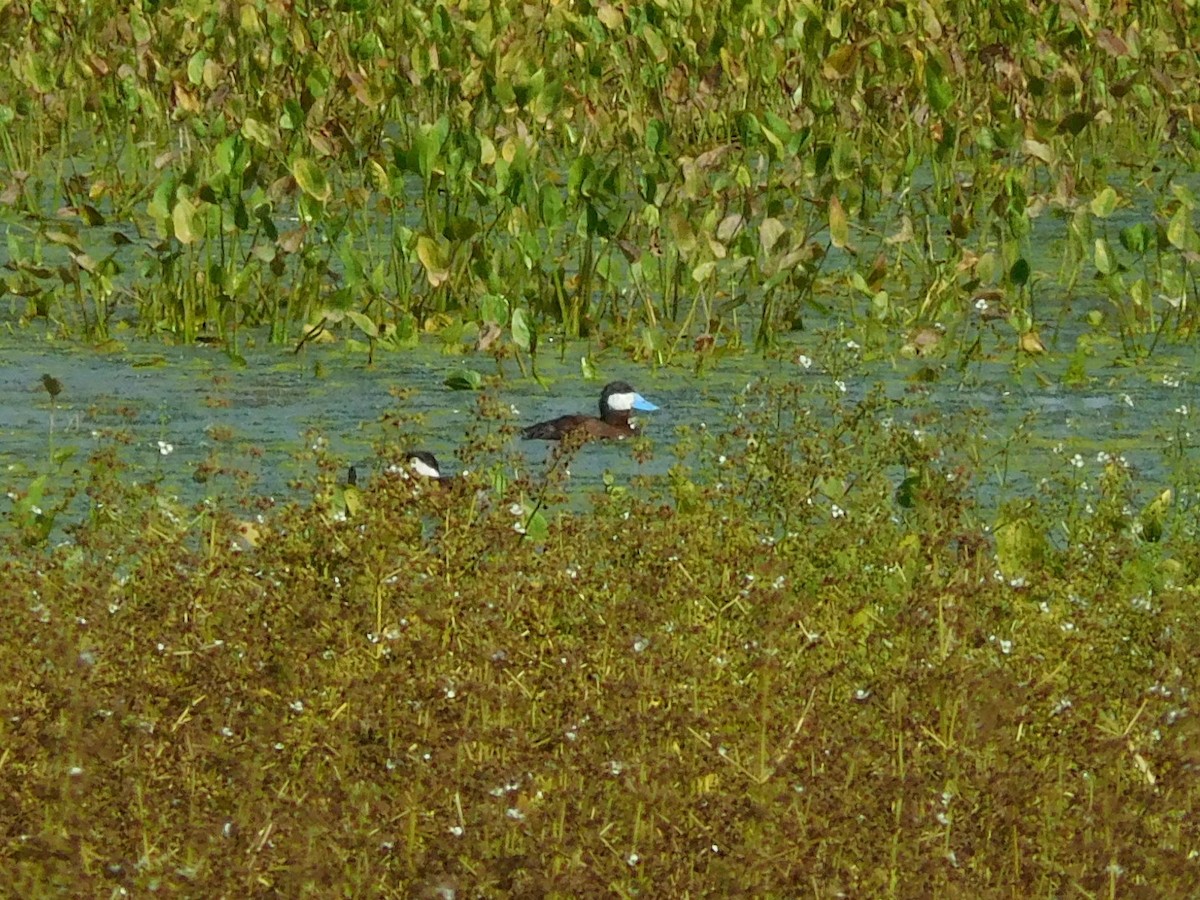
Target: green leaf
[611,17]
[1179,229]
[493,308]
[728,227]
[195,67]
[582,166]
[435,257]
[655,43]
[1137,238]
[1104,203]
[1139,292]
[839,224]
[430,140]
[292,115]
[351,500]
[769,232]
[656,131]
[464,380]
[536,527]
[937,88]
[1103,257]
[1154,516]
[185,221]
[774,140]
[364,323]
[1074,123]
[1174,286]
[550,206]
[1038,150]
[64,238]
[1019,273]
[256,131]
[311,179]
[1020,548]
[405,335]
[844,161]
[1183,194]
[522,329]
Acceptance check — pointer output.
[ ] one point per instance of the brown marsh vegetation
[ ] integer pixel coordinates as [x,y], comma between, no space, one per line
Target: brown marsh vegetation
[770,671]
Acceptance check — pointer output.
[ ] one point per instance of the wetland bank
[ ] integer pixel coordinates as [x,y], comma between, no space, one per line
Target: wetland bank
[894,596]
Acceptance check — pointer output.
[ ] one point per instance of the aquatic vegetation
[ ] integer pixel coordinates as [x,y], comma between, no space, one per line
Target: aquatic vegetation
[800,655]
[385,171]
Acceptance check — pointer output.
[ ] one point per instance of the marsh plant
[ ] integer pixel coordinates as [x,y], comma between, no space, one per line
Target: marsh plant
[802,661]
[670,177]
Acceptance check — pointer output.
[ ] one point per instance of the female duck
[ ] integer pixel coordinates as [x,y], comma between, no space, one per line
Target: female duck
[617,401]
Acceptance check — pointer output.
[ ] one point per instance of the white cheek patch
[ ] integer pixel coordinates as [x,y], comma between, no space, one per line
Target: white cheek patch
[422,468]
[621,402]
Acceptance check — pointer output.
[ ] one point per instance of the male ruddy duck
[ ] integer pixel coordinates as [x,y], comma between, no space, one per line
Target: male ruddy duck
[420,463]
[617,401]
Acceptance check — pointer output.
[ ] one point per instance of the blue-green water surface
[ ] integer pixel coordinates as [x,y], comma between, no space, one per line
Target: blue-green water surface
[169,409]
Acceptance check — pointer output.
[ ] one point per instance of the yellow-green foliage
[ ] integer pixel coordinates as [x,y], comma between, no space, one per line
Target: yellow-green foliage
[599,163]
[772,678]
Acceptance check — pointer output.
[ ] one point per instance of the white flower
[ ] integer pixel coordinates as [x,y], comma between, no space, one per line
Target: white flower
[804,361]
[165,449]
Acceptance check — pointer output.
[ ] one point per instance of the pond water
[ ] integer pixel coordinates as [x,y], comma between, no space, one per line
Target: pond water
[194,402]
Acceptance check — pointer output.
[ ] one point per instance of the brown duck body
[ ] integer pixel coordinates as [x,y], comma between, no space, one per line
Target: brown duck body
[617,402]
[615,428]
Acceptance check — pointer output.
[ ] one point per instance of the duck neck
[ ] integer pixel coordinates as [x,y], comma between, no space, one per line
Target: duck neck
[617,417]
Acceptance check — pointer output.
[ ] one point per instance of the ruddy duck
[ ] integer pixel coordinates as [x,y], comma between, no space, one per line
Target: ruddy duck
[617,400]
[425,464]
[420,463]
